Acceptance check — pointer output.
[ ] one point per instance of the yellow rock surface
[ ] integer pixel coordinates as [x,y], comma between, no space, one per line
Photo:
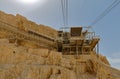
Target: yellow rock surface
[24,24]
[19,62]
[27,61]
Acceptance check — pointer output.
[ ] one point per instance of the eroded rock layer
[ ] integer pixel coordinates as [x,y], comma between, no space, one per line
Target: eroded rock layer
[19,62]
[27,61]
[24,24]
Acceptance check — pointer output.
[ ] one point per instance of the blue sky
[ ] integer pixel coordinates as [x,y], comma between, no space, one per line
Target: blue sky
[81,13]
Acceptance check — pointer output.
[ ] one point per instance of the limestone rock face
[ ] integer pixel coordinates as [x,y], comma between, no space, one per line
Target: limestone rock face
[27,61]
[19,62]
[24,24]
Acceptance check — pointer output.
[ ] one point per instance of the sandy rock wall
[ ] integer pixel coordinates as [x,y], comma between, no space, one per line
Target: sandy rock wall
[19,62]
[24,24]
[35,72]
[27,63]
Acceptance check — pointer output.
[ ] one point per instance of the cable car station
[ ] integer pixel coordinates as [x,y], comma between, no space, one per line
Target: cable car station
[76,41]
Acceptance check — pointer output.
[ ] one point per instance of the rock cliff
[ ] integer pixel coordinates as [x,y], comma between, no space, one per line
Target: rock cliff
[19,62]
[29,62]
[22,23]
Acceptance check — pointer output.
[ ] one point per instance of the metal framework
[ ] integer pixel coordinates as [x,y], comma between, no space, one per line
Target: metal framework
[77,41]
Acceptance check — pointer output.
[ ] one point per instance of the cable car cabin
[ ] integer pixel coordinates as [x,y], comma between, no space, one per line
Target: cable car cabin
[76,42]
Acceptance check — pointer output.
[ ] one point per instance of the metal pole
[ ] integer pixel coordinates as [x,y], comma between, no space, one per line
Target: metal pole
[98,48]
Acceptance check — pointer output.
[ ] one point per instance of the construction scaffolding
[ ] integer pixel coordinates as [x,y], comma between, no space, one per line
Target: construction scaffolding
[77,41]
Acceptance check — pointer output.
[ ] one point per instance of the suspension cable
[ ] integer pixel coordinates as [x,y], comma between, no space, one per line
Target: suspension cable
[64,4]
[105,12]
